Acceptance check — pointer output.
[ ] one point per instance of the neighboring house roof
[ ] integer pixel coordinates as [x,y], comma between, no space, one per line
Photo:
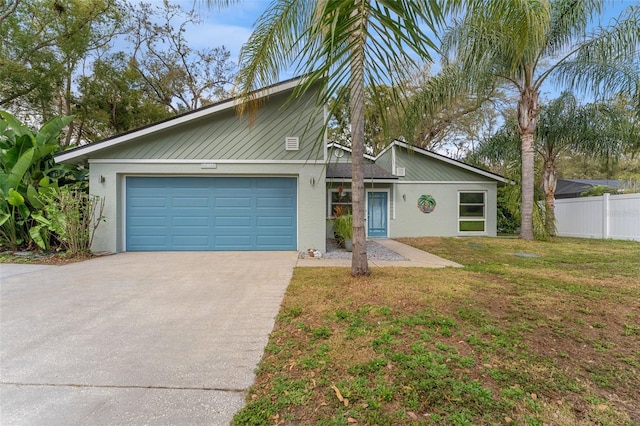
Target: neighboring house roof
[370,171]
[572,188]
[80,153]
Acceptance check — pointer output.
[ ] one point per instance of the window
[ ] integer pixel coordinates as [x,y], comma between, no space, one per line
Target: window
[471,212]
[340,202]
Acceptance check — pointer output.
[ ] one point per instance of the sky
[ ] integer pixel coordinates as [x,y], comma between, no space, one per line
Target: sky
[232,26]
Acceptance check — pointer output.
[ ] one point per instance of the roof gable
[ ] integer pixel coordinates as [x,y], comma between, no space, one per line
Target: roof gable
[216,132]
[424,165]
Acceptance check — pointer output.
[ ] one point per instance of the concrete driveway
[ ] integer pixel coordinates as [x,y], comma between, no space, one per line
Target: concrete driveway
[137,338]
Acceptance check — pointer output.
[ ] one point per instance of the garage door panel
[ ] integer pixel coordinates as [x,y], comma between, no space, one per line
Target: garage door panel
[191,221]
[265,221]
[233,202]
[150,243]
[274,240]
[147,221]
[233,242]
[190,241]
[276,202]
[211,213]
[190,202]
[149,202]
[234,183]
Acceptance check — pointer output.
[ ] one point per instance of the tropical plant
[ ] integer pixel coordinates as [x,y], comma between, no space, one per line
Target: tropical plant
[523,44]
[501,154]
[565,127]
[339,43]
[343,226]
[74,216]
[27,174]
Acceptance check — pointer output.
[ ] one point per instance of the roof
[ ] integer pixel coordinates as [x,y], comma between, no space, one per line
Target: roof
[427,153]
[81,152]
[347,149]
[572,188]
[371,171]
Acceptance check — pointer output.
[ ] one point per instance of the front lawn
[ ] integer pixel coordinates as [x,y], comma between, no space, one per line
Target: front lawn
[553,339]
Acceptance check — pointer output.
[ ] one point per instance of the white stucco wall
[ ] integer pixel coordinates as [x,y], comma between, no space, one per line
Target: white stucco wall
[311,194]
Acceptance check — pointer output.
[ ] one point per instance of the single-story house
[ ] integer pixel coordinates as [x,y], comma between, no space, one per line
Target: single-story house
[211,180]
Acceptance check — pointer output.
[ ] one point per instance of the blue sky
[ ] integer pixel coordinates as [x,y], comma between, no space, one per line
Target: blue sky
[232,26]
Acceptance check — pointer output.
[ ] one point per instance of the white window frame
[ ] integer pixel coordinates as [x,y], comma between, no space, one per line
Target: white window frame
[482,218]
[330,202]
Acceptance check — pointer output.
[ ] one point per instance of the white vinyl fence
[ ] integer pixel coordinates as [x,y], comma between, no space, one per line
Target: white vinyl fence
[608,216]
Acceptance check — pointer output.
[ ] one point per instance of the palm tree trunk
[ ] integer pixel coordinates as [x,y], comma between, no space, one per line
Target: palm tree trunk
[359,264]
[549,180]
[528,110]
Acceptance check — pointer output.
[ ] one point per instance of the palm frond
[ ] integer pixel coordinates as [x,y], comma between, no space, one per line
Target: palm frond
[504,33]
[570,22]
[609,62]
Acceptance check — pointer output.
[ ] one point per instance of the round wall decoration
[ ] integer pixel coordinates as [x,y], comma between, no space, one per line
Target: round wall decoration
[426,203]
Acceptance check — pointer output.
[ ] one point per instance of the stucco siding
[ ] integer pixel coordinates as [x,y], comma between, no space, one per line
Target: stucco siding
[225,135]
[311,209]
[443,221]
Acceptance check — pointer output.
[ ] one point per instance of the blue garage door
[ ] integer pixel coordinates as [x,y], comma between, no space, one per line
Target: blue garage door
[210,213]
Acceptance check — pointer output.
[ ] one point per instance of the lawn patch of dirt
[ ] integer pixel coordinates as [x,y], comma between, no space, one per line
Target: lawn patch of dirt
[504,340]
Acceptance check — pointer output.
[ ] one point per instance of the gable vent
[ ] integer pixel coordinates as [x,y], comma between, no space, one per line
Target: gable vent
[400,171]
[291,143]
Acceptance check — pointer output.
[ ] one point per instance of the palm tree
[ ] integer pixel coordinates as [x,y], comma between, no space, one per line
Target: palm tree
[596,129]
[601,130]
[339,43]
[529,42]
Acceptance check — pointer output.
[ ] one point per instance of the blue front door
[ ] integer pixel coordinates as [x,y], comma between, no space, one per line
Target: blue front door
[377,214]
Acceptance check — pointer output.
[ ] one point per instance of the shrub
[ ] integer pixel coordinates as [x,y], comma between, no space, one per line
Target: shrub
[74,216]
[343,226]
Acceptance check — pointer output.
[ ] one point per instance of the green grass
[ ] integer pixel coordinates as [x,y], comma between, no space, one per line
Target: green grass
[552,339]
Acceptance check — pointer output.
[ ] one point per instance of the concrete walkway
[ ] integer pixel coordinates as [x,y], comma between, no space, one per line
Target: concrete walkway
[137,338]
[417,258]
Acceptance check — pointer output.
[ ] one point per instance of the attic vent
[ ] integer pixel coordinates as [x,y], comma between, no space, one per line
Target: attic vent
[291,143]
[400,171]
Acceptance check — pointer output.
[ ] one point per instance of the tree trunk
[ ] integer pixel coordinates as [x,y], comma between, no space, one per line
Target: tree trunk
[549,180]
[528,110]
[359,264]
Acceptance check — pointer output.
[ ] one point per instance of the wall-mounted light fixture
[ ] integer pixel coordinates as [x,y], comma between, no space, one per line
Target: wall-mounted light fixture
[312,181]
[404,197]
[102,179]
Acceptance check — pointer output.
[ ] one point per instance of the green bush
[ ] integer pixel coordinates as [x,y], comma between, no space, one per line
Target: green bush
[343,226]
[74,216]
[29,179]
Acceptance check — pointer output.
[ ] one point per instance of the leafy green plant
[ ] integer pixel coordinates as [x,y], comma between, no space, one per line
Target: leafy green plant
[27,172]
[74,216]
[343,226]
[599,190]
